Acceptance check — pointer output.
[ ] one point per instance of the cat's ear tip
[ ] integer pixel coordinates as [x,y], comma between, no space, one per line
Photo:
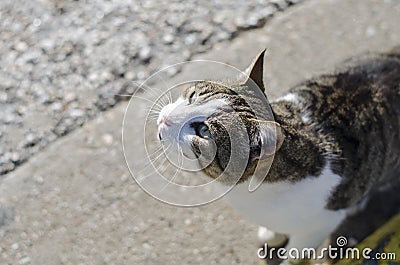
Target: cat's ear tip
[256,70]
[261,54]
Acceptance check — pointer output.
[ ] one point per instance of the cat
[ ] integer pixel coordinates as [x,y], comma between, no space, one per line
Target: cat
[334,139]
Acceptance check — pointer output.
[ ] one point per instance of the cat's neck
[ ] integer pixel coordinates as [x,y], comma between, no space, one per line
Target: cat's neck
[303,152]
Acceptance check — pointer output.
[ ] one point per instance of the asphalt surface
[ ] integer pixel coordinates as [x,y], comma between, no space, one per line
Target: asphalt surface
[63,62]
[75,203]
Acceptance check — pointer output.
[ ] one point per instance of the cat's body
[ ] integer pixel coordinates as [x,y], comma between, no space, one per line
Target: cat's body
[350,125]
[359,110]
[337,139]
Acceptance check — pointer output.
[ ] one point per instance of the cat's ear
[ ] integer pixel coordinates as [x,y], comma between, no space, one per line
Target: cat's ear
[255,71]
[268,139]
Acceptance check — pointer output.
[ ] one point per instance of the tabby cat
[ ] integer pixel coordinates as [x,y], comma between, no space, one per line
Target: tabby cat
[334,139]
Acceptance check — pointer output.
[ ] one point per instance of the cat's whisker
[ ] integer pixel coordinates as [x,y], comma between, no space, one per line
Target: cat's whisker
[163,81]
[153,114]
[162,151]
[157,168]
[156,102]
[154,111]
[164,100]
[180,162]
[148,100]
[159,104]
[152,172]
[169,96]
[154,159]
[168,93]
[137,88]
[158,148]
[159,101]
[155,152]
[147,88]
[152,118]
[151,90]
[123,95]
[163,168]
[170,100]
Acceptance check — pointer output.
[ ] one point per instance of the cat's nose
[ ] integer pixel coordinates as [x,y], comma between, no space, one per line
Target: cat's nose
[164,120]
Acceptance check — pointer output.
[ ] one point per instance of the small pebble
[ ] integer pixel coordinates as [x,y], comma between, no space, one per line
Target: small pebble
[21,46]
[14,157]
[15,246]
[168,39]
[129,75]
[145,54]
[108,139]
[37,22]
[76,113]
[146,246]
[25,260]
[124,177]
[38,179]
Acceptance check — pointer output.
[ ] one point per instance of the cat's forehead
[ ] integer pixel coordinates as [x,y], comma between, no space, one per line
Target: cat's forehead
[238,96]
[209,88]
[205,91]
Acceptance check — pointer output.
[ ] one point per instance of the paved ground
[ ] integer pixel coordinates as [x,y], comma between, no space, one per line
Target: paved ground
[74,202]
[62,62]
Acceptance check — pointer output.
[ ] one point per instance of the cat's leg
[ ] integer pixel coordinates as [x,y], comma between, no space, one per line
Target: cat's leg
[268,239]
[271,238]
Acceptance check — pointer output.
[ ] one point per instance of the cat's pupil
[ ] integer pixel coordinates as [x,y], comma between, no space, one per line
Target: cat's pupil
[203,131]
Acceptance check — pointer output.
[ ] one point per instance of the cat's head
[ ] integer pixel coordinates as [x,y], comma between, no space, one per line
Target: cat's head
[212,120]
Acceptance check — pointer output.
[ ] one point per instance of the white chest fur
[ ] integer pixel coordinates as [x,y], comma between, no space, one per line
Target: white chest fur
[295,209]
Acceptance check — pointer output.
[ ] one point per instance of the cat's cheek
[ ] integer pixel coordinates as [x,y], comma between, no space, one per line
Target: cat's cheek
[207,153]
[187,147]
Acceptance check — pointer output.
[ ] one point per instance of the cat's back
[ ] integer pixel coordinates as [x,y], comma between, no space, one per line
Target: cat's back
[359,86]
[359,107]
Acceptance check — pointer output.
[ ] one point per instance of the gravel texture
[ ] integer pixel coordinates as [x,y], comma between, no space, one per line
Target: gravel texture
[64,61]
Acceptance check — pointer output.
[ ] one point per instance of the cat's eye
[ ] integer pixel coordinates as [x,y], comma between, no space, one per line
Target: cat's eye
[203,131]
[192,97]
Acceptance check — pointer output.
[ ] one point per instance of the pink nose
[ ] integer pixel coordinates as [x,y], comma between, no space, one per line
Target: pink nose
[164,120]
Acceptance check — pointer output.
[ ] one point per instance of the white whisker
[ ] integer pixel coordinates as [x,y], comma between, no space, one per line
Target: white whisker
[123,95]
[154,159]
[157,167]
[180,162]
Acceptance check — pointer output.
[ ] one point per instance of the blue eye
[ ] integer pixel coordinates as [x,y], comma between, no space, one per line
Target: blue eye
[192,98]
[203,131]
